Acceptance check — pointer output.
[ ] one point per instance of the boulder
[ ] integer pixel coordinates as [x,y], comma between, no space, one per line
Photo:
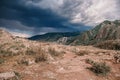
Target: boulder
[8,76]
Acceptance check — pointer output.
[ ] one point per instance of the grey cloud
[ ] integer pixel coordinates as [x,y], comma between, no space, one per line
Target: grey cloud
[89,12]
[40,16]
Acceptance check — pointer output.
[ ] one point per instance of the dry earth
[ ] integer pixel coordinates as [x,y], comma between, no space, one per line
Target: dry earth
[69,66]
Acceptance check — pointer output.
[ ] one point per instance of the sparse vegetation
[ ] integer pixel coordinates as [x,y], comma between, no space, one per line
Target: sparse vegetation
[30,51]
[22,46]
[110,44]
[117,58]
[41,55]
[23,61]
[89,61]
[2,60]
[53,52]
[18,76]
[82,53]
[5,53]
[40,58]
[99,68]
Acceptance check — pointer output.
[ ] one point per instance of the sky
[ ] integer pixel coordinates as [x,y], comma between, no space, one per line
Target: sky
[26,18]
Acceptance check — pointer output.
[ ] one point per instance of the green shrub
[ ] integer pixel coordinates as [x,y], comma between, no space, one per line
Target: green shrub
[100,68]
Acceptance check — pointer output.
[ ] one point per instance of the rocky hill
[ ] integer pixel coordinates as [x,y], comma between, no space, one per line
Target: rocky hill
[107,30]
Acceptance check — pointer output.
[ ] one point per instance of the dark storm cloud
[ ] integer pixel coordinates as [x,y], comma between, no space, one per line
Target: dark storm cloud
[16,14]
[29,15]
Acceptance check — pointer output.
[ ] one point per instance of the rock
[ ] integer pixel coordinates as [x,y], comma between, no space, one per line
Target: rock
[50,58]
[100,54]
[8,75]
[62,40]
[117,75]
[30,62]
[50,75]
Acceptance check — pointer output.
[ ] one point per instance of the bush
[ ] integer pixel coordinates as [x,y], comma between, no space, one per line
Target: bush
[100,68]
[18,76]
[6,53]
[109,44]
[117,58]
[2,60]
[53,52]
[89,61]
[23,61]
[40,56]
[30,52]
[82,53]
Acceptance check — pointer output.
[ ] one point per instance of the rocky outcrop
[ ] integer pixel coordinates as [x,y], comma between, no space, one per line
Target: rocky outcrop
[107,30]
[62,40]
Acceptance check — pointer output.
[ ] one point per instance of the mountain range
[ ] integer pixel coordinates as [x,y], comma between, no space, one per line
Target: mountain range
[107,30]
[53,36]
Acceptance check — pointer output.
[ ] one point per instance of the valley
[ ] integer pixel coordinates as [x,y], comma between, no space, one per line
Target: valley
[24,59]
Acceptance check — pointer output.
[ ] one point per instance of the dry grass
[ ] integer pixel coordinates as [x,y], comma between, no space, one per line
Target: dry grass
[82,53]
[30,51]
[6,53]
[2,60]
[23,61]
[89,61]
[117,57]
[99,68]
[40,55]
[110,44]
[53,52]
